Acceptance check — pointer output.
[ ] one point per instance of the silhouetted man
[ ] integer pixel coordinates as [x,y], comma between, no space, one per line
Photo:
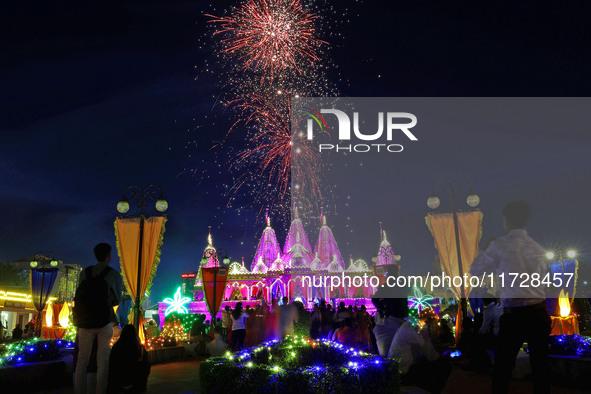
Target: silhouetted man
[524,309]
[98,292]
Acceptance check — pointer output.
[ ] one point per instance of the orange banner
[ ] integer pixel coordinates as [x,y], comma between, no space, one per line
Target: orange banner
[208,277]
[442,228]
[127,231]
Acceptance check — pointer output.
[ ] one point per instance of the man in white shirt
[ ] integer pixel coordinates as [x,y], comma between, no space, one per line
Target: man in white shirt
[524,318]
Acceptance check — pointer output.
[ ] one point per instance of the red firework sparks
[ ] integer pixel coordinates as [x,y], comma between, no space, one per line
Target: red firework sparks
[270,35]
[281,155]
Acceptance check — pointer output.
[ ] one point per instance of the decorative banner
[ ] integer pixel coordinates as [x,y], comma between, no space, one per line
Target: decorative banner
[42,280]
[566,267]
[127,232]
[208,276]
[568,325]
[442,228]
[53,332]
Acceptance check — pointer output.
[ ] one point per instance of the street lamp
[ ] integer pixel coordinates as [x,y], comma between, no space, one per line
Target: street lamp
[454,189]
[141,196]
[43,264]
[560,257]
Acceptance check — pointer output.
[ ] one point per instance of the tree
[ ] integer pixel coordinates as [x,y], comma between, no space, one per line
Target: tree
[12,276]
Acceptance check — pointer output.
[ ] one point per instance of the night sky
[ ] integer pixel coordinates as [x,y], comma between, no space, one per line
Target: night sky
[96,97]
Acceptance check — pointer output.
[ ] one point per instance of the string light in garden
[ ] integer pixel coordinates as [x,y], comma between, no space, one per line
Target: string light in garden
[32,350]
[290,350]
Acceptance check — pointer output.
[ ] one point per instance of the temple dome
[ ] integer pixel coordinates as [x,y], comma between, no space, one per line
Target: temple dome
[268,248]
[386,254]
[297,246]
[260,267]
[327,249]
[278,265]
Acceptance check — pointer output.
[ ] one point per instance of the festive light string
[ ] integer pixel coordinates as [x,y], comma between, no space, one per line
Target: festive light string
[355,359]
[570,345]
[13,296]
[32,350]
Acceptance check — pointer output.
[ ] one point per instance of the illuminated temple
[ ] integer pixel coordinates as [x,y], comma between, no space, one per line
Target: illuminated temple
[274,273]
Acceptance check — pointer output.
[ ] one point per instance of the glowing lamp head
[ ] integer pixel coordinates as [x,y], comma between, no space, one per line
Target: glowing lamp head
[571,254]
[122,206]
[226,261]
[161,205]
[33,264]
[433,202]
[473,200]
[53,263]
[550,255]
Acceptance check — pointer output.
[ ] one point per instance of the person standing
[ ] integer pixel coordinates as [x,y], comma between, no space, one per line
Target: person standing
[524,309]
[288,316]
[99,290]
[238,327]
[17,332]
[225,322]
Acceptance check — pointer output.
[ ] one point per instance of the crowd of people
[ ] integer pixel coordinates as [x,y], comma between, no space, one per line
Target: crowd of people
[248,326]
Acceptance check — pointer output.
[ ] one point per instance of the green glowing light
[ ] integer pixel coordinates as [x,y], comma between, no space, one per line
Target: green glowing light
[177,304]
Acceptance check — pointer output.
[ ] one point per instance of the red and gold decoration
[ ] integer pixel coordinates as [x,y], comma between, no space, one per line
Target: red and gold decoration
[566,323]
[56,322]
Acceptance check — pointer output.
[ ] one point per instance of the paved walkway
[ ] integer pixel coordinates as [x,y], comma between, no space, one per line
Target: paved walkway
[177,377]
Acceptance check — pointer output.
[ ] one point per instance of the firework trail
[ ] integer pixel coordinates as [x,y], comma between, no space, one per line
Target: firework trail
[279,154]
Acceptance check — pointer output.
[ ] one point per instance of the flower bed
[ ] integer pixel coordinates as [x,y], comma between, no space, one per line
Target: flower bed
[570,345]
[32,351]
[299,365]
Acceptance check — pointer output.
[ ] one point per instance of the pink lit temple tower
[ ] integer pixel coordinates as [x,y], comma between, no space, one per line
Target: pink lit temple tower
[327,249]
[267,251]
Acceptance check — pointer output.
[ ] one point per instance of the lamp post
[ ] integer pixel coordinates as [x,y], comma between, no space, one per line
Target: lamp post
[42,262]
[454,189]
[141,195]
[561,257]
[219,254]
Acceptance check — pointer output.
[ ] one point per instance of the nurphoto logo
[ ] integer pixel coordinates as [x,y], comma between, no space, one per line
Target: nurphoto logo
[394,125]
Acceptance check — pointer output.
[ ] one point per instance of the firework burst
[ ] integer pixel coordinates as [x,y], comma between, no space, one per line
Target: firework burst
[270,35]
[264,53]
